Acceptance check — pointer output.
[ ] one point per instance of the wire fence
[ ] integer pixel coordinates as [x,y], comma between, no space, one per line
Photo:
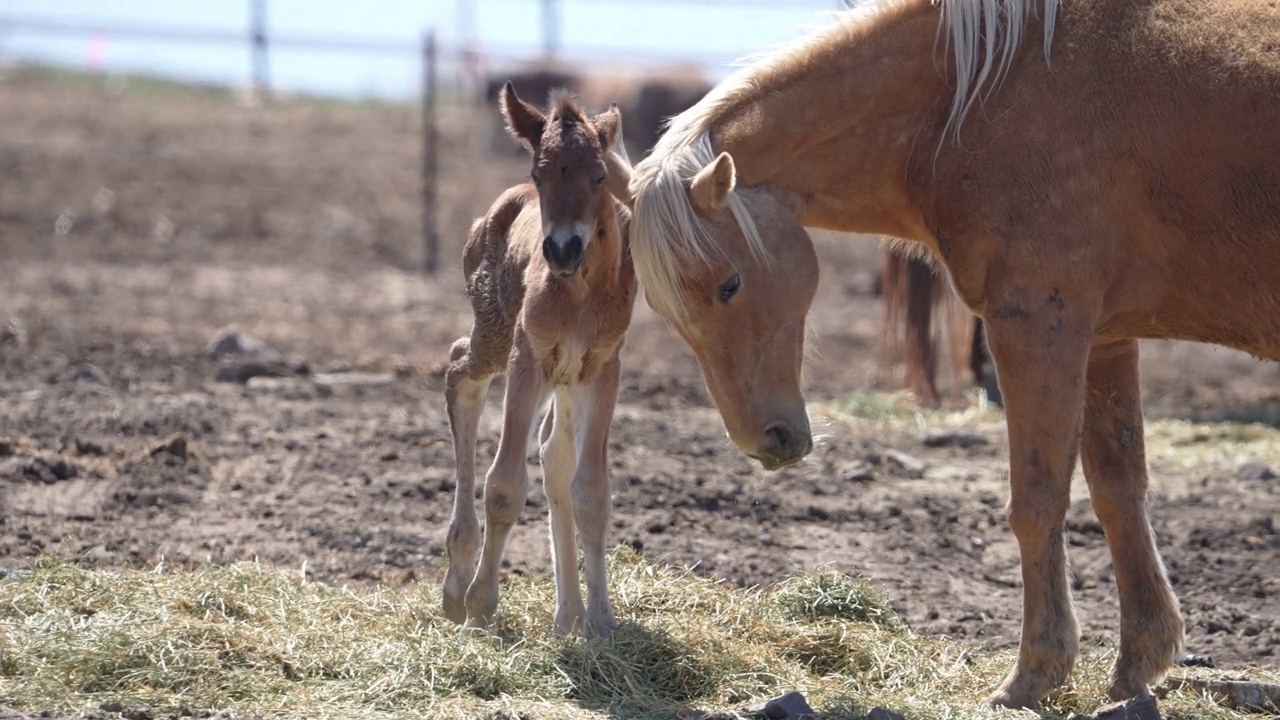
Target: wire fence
[468,66]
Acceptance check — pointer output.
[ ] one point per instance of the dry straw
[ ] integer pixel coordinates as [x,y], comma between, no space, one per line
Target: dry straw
[264,642]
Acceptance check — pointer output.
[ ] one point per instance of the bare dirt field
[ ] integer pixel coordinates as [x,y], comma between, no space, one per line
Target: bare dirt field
[134,226]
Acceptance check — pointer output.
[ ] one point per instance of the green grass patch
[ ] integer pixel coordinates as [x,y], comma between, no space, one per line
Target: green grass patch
[266,643]
[1172,444]
[899,410]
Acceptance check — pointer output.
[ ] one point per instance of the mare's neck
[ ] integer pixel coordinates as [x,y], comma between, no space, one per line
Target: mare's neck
[838,127]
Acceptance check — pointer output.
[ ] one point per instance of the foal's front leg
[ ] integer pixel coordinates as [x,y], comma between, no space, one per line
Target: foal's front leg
[1115,467]
[1040,341]
[558,464]
[507,482]
[593,413]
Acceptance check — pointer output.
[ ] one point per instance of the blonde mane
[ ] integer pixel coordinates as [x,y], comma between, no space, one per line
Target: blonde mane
[666,234]
[983,36]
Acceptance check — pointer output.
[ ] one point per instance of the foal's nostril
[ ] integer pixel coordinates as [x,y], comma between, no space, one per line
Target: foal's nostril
[573,251]
[563,258]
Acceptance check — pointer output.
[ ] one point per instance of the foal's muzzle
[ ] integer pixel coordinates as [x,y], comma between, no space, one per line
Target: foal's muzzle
[563,257]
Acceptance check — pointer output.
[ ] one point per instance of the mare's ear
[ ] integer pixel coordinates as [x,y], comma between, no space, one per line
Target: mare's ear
[617,178]
[608,126]
[710,188]
[524,122]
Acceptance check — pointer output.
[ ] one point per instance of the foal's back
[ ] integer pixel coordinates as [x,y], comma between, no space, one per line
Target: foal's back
[500,248]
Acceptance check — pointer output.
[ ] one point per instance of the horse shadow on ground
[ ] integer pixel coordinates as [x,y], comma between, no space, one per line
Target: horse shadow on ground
[639,672]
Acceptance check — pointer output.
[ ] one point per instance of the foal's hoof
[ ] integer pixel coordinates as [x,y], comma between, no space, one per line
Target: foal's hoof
[455,606]
[1122,690]
[476,626]
[569,622]
[600,627]
[1019,692]
[1003,698]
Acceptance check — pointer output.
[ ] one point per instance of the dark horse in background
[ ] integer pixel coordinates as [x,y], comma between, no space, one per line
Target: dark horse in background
[914,294]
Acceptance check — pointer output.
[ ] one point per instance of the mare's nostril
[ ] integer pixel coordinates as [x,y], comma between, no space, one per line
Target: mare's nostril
[782,439]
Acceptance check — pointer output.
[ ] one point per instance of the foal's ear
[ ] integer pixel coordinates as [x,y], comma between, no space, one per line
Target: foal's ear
[710,188]
[608,125]
[524,122]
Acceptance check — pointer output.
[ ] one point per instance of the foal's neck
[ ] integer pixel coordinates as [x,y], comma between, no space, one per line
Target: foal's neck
[837,122]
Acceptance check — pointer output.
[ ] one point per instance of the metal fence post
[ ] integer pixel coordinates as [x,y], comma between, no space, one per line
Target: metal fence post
[430,157]
[258,48]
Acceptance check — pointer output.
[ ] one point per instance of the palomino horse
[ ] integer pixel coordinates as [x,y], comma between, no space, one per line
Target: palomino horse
[914,295]
[552,286]
[1126,190]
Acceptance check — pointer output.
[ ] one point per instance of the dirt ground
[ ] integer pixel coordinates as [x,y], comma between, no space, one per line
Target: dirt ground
[135,226]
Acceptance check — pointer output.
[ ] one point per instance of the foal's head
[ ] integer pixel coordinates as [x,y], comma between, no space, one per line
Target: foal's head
[568,149]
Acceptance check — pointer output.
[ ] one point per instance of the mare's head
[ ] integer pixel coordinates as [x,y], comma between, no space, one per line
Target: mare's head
[734,271]
[568,148]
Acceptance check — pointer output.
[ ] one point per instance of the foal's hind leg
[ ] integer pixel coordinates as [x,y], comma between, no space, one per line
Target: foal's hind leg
[1041,344]
[1115,467]
[593,413]
[507,481]
[557,471]
[464,397]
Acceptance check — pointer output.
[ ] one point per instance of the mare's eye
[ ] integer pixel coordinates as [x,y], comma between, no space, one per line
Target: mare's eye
[729,288]
[534,177]
[597,181]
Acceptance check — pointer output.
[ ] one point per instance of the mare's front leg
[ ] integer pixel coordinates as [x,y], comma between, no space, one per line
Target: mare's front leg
[593,408]
[508,479]
[1040,340]
[465,387]
[1115,467]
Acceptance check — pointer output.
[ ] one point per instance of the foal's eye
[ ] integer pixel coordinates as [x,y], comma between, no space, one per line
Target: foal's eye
[729,288]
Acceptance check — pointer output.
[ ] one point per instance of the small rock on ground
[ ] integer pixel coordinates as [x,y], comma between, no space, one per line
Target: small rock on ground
[353,379]
[88,372]
[230,341]
[243,372]
[1194,660]
[14,333]
[913,466]
[791,706]
[1255,472]
[952,438]
[175,445]
[1138,709]
[1245,696]
[856,471]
